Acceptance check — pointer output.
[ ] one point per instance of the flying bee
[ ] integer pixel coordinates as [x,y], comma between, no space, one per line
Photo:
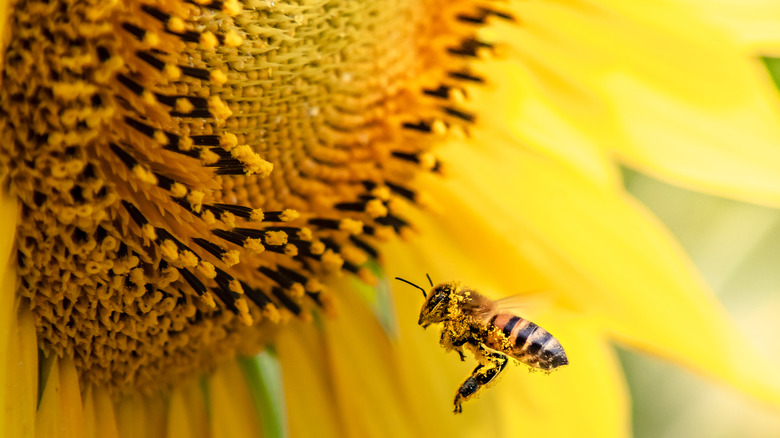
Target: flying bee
[470,319]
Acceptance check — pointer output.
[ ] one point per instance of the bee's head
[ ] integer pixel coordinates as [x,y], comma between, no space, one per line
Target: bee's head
[436,306]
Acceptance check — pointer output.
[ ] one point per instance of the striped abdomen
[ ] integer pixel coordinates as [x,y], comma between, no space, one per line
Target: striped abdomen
[525,341]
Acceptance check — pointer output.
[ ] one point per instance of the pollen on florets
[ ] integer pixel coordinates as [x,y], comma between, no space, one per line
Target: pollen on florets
[195,142]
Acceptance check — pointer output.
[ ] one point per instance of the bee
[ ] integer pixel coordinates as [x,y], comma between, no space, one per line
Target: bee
[470,319]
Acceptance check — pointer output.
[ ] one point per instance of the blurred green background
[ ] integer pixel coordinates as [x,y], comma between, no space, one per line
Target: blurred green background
[736,247]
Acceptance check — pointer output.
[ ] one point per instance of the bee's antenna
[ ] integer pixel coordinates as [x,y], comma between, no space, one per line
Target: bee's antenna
[429,279]
[412,284]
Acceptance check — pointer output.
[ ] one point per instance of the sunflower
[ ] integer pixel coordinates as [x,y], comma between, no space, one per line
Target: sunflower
[202,202]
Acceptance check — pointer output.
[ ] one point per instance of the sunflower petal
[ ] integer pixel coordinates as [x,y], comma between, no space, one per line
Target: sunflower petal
[601,252]
[675,98]
[99,418]
[233,412]
[60,412]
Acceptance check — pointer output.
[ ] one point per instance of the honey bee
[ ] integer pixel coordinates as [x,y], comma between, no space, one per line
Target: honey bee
[470,319]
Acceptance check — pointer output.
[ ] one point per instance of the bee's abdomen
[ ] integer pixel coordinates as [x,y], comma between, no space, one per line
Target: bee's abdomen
[526,342]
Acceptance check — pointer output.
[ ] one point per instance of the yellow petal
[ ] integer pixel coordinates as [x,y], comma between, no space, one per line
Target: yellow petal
[309,395]
[658,87]
[60,412]
[139,415]
[18,343]
[99,418]
[232,410]
[187,417]
[601,252]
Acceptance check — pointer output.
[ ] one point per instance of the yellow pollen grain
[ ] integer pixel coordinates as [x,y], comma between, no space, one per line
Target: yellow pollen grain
[195,198]
[208,217]
[144,174]
[305,234]
[353,255]
[376,208]
[243,312]
[184,105]
[208,40]
[313,285]
[289,215]
[427,161]
[381,192]
[231,258]
[317,248]
[257,215]
[219,109]
[207,269]
[149,98]
[275,238]
[217,77]
[272,313]
[178,190]
[228,218]
[161,137]
[176,24]
[228,141]
[253,164]
[188,259]
[235,286]
[439,127]
[332,261]
[208,299]
[254,246]
[186,143]
[233,39]
[351,226]
[149,232]
[169,250]
[232,8]
[151,39]
[457,95]
[384,233]
[291,250]
[207,156]
[172,72]
[297,290]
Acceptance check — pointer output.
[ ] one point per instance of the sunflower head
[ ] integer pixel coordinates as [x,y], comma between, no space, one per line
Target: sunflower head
[190,173]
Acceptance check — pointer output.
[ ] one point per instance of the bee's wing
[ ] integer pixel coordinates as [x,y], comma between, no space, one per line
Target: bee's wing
[522,304]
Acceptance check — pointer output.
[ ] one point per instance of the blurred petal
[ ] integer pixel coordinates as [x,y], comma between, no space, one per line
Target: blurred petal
[232,410]
[18,343]
[187,417]
[99,419]
[60,413]
[675,97]
[599,250]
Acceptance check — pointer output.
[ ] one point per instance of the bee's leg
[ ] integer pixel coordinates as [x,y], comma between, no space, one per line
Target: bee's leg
[450,341]
[481,376]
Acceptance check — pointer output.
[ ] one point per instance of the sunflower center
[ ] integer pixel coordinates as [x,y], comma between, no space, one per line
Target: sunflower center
[189,172]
